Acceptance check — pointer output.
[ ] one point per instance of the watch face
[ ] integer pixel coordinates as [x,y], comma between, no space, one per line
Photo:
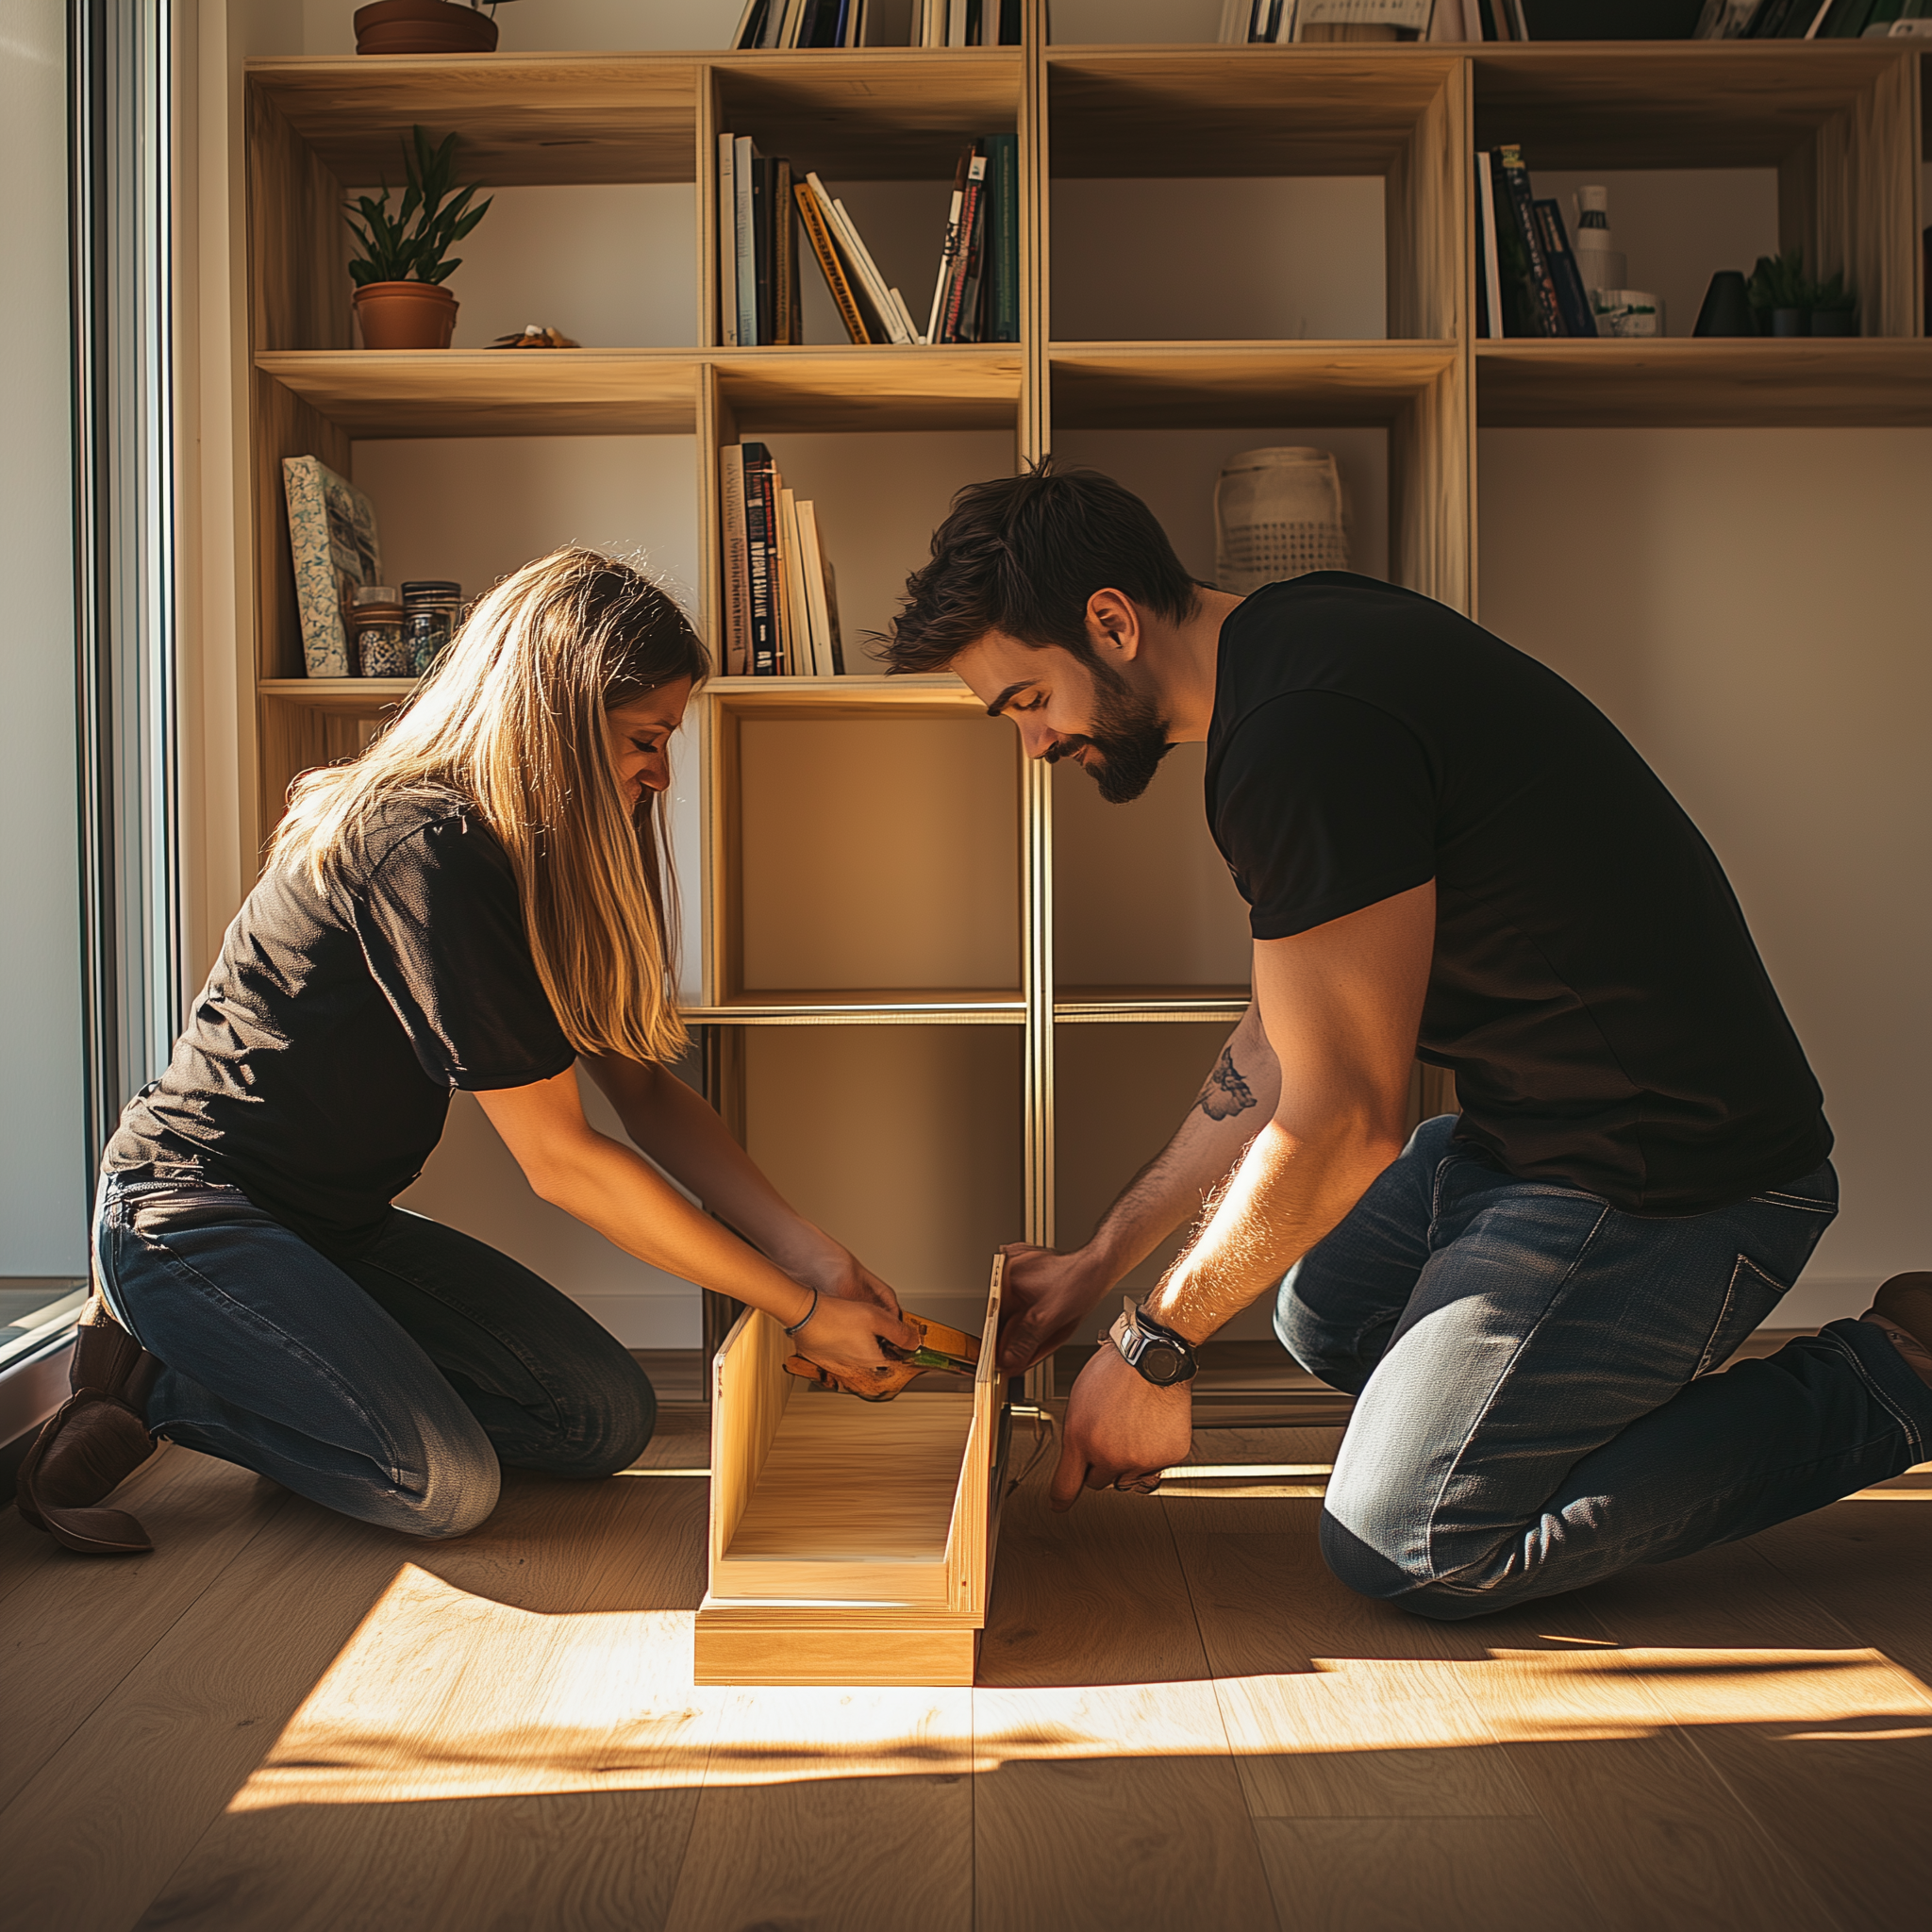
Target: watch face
[1161,1361]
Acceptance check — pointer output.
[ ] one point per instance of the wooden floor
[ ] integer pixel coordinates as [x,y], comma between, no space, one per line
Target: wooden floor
[283,1720]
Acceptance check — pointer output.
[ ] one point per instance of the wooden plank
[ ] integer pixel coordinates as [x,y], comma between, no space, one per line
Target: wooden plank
[75,1627]
[1173,111]
[1460,1875]
[522,118]
[750,1391]
[820,1652]
[851,1501]
[1758,1673]
[855,387]
[1704,384]
[1688,104]
[388,392]
[1107,1793]
[1241,385]
[509,1737]
[841,1807]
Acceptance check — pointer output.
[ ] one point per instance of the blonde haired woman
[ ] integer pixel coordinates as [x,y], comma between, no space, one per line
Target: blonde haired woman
[477,902]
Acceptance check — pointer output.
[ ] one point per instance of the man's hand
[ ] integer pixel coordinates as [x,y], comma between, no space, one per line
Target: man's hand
[1044,1295]
[844,1334]
[1121,1431]
[846,1276]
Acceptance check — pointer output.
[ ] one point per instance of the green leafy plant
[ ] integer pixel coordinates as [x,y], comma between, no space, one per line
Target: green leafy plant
[1832,296]
[413,245]
[1780,281]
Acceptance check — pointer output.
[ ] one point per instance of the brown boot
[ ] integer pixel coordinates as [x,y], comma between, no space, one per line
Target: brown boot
[1903,1307]
[95,1440]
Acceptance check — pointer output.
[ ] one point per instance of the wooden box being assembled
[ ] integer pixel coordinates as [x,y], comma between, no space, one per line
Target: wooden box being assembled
[851,1543]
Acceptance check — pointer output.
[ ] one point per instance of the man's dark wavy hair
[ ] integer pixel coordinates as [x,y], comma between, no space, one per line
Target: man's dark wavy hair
[1022,554]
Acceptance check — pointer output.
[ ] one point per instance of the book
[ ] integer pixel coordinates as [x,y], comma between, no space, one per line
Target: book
[1397,19]
[737,584]
[787,324]
[949,249]
[728,240]
[861,271]
[332,543]
[1579,319]
[820,236]
[751,24]
[963,259]
[837,641]
[763,170]
[744,153]
[1489,284]
[760,509]
[1003,165]
[1522,313]
[812,574]
[1514,178]
[794,656]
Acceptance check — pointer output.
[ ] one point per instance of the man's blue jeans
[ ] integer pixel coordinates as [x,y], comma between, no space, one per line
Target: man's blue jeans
[389,1384]
[1537,1407]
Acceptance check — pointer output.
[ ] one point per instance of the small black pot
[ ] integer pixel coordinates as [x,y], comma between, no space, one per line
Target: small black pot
[1726,309]
[1833,322]
[1790,322]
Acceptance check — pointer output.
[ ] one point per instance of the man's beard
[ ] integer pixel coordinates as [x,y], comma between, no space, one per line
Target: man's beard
[1130,737]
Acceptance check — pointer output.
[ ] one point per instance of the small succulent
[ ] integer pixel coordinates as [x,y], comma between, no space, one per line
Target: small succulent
[414,243]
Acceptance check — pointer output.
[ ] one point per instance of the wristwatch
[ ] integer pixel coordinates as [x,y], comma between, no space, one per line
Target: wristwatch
[1157,1355]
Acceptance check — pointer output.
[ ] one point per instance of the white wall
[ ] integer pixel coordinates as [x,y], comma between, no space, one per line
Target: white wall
[43,1203]
[1750,607]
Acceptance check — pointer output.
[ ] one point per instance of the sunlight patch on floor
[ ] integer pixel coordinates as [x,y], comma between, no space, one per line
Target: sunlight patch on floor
[444,1694]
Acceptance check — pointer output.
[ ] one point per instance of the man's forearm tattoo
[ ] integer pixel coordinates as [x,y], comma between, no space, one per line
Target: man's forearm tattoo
[1225,1092]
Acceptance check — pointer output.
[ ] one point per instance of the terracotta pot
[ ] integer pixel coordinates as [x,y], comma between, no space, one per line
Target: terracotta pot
[422,27]
[405,315]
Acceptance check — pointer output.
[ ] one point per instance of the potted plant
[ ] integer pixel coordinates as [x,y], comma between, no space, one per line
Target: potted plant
[404,259]
[1780,292]
[425,26]
[1834,307]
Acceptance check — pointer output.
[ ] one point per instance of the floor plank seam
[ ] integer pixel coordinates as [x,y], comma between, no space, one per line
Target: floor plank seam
[108,1690]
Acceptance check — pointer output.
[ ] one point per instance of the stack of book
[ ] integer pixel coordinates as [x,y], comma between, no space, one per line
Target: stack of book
[1808,20]
[976,295]
[863,22]
[965,23]
[758,247]
[1528,282]
[1275,22]
[781,600]
[761,209]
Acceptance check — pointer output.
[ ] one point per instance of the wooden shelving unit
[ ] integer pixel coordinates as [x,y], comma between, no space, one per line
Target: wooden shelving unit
[1841,124]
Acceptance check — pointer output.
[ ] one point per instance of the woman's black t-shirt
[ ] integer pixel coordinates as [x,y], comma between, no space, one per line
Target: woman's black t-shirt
[316,1068]
[1594,985]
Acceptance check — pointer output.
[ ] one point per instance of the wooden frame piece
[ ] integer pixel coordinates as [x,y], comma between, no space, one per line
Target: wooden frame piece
[850,1543]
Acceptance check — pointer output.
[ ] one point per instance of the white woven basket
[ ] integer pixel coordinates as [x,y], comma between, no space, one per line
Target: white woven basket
[1277,513]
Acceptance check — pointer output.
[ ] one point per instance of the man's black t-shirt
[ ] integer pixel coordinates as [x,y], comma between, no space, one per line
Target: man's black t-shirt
[1594,985]
[316,1069]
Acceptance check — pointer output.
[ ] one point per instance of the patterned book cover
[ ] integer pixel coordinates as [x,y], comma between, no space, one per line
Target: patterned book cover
[332,539]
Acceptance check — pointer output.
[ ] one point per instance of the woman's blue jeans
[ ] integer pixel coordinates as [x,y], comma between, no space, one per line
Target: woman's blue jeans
[1537,1406]
[390,1384]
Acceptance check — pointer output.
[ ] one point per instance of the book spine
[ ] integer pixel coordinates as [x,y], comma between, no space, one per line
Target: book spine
[1006,285]
[963,263]
[728,240]
[747,247]
[795,644]
[1542,285]
[949,250]
[785,212]
[761,238]
[868,284]
[821,240]
[757,544]
[319,595]
[812,567]
[1493,276]
[838,640]
[1578,317]
[737,586]
[1010,23]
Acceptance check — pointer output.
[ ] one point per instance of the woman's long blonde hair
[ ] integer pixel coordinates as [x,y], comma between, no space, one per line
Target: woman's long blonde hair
[512,720]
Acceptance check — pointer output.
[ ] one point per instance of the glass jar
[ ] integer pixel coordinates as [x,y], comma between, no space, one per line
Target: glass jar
[432,610]
[378,617]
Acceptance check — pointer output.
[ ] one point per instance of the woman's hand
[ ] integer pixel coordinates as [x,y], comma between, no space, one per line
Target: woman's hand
[1044,1296]
[844,1334]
